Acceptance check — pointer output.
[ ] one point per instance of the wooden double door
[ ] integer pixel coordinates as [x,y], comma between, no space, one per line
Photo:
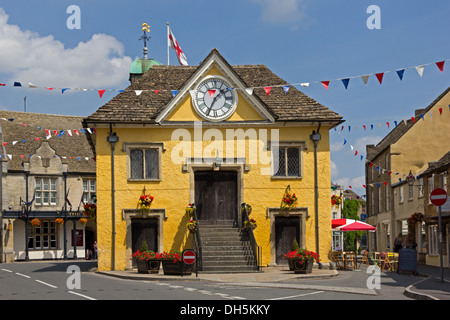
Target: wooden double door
[216,197]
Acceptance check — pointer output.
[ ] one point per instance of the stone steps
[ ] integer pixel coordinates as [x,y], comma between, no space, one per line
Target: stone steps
[225,249]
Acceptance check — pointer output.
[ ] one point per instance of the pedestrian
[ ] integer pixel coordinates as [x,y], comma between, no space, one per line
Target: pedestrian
[398,243]
[95,250]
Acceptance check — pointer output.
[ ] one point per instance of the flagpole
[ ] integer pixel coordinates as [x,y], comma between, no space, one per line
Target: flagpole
[168,44]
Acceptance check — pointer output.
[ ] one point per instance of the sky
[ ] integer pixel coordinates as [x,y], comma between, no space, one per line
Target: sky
[302,41]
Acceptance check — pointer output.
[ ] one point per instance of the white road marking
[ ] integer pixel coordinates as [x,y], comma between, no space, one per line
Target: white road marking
[6,270]
[296,296]
[47,284]
[81,295]
[23,275]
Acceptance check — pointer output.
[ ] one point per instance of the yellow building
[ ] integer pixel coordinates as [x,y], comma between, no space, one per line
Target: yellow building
[215,136]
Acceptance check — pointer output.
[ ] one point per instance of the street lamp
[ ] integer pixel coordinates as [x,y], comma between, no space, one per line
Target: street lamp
[410,179]
[113,139]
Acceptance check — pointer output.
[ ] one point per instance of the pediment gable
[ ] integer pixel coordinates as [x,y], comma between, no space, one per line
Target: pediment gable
[183,106]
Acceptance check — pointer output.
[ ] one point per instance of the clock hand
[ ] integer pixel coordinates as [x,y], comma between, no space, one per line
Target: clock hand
[214,100]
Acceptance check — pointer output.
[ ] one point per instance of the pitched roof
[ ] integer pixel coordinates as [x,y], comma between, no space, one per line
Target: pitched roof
[401,129]
[439,165]
[30,126]
[128,107]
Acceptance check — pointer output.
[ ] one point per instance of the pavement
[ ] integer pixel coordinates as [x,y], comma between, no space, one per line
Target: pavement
[426,284]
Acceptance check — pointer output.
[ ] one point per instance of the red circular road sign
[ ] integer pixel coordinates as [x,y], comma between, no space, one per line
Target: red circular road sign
[438,197]
[189,256]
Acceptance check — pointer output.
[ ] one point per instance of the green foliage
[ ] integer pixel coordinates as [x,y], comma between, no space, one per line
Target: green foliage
[144,246]
[350,211]
[294,245]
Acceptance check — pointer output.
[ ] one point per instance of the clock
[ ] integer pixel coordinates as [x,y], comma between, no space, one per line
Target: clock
[214,99]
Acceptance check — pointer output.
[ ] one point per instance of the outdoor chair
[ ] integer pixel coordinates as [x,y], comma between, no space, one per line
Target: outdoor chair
[364,260]
[349,262]
[338,259]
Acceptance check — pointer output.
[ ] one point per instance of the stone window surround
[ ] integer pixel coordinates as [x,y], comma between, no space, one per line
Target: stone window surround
[128,146]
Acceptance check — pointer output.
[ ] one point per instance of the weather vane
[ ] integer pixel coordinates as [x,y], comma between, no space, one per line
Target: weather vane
[145,37]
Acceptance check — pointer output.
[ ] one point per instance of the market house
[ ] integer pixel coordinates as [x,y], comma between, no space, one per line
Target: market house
[217,136]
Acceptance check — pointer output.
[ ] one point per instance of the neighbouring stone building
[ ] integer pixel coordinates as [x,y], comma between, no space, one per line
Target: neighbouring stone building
[44,158]
[394,168]
[436,176]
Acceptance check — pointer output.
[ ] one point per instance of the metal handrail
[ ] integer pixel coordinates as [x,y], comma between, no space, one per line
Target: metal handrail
[257,250]
[198,241]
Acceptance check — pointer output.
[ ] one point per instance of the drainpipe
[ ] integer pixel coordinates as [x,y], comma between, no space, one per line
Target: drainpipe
[315,137]
[113,139]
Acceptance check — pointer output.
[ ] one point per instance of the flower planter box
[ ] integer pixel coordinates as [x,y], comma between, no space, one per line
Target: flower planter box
[300,266]
[148,266]
[174,268]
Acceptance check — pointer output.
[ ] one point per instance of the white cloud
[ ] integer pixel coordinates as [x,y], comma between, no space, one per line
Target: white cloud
[282,11]
[356,183]
[44,61]
[334,169]
[360,144]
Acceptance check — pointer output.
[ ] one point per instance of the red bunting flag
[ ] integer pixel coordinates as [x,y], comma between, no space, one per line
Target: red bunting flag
[267,89]
[440,111]
[380,77]
[371,164]
[325,84]
[5,143]
[364,126]
[156,91]
[356,152]
[413,119]
[440,65]
[364,186]
[101,92]
[387,124]
[385,183]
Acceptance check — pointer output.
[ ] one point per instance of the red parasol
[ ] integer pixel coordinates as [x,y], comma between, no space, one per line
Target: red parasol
[356,226]
[340,222]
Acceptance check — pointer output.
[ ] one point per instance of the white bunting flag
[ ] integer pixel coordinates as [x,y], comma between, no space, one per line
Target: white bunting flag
[420,70]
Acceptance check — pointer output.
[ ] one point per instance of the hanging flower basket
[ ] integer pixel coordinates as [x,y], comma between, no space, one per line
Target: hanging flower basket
[336,200]
[190,210]
[416,217]
[252,224]
[289,200]
[192,226]
[145,201]
[83,221]
[36,222]
[59,220]
[248,207]
[90,210]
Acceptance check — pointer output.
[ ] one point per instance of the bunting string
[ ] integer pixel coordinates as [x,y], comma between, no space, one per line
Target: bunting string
[400,72]
[381,170]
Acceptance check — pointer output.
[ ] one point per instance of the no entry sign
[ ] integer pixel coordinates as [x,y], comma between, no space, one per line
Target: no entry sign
[438,197]
[189,256]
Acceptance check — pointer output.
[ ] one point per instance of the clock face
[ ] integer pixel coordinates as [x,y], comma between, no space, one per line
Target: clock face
[215,100]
